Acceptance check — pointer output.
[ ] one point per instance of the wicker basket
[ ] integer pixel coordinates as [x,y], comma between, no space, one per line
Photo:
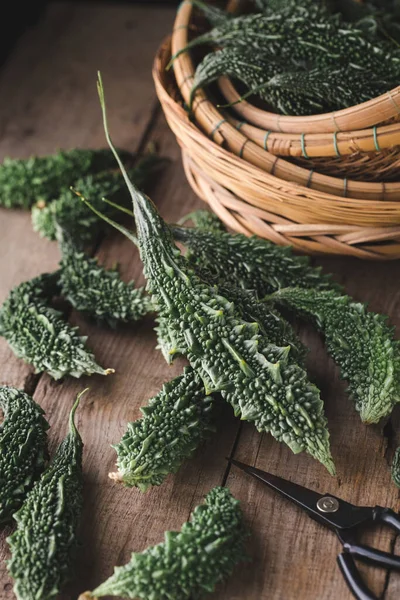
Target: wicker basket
[257,192]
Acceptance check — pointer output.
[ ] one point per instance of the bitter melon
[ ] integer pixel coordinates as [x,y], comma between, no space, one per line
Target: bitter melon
[173,425]
[255,70]
[40,179]
[96,291]
[229,353]
[39,335]
[304,39]
[333,88]
[361,343]
[252,263]
[169,342]
[23,448]
[189,563]
[67,210]
[43,545]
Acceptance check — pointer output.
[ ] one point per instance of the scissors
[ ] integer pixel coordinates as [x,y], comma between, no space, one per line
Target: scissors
[344,519]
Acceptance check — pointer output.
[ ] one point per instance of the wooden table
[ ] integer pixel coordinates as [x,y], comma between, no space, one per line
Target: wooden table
[49,101]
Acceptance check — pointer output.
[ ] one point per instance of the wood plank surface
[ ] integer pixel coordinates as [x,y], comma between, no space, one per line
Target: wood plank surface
[49,87]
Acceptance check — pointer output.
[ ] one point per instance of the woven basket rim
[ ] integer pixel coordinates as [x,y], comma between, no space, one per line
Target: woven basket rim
[366,114]
[219,128]
[356,227]
[317,145]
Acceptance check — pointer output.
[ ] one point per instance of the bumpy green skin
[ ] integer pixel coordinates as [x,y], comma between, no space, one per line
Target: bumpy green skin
[252,263]
[39,335]
[298,38]
[304,33]
[204,220]
[229,353]
[173,425]
[360,342]
[23,448]
[189,564]
[273,326]
[68,210]
[44,542]
[169,342]
[334,89]
[255,70]
[40,179]
[396,468]
[98,292]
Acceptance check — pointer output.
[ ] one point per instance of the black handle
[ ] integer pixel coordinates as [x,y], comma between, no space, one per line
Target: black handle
[353,578]
[373,555]
[388,516]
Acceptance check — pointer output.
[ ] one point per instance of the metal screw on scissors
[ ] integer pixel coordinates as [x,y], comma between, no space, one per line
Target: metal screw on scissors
[344,519]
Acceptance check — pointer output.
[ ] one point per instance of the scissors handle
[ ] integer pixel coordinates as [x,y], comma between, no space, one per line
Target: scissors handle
[379,558]
[353,578]
[387,516]
[352,550]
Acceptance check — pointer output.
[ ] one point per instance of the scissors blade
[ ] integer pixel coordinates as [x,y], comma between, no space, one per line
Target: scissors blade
[344,515]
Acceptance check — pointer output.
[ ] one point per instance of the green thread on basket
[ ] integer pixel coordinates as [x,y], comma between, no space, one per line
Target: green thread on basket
[217,126]
[335,144]
[303,146]
[240,125]
[180,27]
[345,187]
[309,178]
[375,134]
[266,136]
[397,107]
[333,115]
[242,148]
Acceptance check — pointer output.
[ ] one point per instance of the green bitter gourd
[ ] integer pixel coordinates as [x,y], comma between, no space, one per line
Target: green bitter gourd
[252,263]
[334,89]
[96,291]
[43,545]
[23,448]
[304,38]
[169,342]
[361,343]
[273,326]
[229,353]
[255,70]
[173,425]
[189,563]
[67,210]
[39,335]
[40,179]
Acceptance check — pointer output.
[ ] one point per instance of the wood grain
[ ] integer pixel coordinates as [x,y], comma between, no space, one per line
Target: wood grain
[49,83]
